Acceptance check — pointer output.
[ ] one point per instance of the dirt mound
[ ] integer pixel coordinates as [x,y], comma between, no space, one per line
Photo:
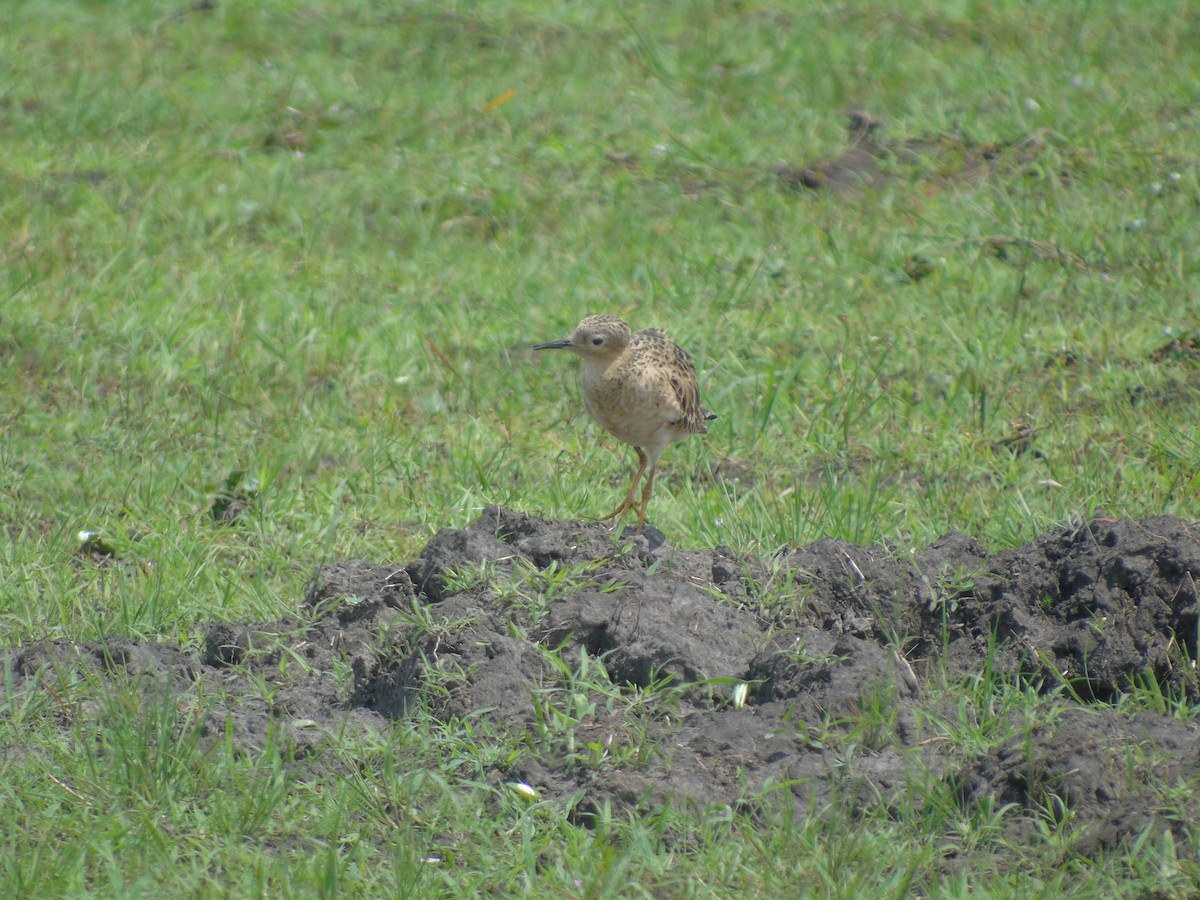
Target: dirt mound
[870,159]
[642,675]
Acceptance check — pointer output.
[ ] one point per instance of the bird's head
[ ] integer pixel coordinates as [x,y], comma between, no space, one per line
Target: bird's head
[596,337]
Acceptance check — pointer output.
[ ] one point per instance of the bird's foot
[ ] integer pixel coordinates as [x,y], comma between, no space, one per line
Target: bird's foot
[620,511]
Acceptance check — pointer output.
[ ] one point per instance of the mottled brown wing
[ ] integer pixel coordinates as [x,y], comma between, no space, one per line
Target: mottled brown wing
[683,379]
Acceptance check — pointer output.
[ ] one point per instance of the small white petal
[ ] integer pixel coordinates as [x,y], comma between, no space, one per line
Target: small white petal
[739,694]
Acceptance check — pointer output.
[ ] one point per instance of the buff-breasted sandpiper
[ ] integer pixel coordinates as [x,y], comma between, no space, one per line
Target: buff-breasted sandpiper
[641,387]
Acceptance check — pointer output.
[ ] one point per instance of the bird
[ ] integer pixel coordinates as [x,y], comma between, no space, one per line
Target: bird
[641,388]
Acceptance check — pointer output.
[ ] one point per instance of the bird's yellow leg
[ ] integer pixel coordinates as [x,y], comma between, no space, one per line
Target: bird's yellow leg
[628,503]
[645,501]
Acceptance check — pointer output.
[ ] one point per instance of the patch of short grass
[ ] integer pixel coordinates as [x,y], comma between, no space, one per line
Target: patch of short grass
[312,243]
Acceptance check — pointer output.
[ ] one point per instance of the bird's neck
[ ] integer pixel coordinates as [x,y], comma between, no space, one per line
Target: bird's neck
[595,370]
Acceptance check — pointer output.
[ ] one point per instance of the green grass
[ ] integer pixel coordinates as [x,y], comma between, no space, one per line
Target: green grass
[313,242]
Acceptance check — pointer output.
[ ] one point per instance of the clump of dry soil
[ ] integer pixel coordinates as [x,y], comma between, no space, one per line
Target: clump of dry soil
[819,634]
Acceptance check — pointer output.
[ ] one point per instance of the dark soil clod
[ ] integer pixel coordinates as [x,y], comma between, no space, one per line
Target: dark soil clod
[827,637]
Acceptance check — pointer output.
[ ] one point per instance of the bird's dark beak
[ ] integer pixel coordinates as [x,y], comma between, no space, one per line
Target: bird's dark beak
[554,345]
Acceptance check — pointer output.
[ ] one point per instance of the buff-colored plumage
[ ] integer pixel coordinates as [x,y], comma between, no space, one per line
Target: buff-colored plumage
[641,388]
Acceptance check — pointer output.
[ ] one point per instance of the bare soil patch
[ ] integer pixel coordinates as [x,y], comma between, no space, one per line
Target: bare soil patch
[870,159]
[500,620]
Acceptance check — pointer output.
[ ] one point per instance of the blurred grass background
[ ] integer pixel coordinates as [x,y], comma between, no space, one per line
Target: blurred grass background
[269,273]
[312,242]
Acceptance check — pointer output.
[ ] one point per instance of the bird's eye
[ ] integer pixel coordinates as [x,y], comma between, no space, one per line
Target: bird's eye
[597,341]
